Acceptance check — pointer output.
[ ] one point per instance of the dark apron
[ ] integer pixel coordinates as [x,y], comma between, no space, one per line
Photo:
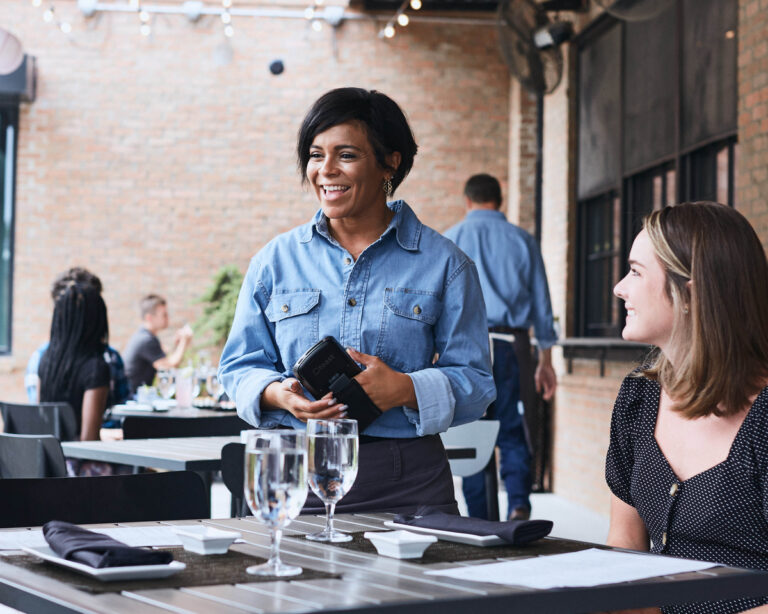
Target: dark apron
[397,475]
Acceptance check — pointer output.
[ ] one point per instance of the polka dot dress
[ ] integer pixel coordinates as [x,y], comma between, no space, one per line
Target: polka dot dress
[718,515]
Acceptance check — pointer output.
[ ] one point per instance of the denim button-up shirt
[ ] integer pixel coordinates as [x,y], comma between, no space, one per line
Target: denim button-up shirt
[511,272]
[409,297]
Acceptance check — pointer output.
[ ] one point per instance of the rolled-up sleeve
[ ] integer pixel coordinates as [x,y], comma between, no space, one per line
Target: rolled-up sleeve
[250,360]
[459,387]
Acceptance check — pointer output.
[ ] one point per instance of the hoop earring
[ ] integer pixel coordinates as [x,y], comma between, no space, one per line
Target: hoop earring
[388,189]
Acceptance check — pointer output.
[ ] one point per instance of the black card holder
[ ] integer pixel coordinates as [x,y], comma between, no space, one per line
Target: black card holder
[326,367]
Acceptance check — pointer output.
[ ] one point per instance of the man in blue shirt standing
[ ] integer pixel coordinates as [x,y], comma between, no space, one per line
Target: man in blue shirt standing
[516,296]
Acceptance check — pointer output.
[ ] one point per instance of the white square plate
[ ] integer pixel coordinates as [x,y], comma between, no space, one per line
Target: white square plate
[450,536]
[106,574]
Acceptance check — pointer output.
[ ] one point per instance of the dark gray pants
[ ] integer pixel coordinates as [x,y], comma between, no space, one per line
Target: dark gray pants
[397,475]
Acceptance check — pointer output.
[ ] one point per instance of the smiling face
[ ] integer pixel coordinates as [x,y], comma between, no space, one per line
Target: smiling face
[650,315]
[344,173]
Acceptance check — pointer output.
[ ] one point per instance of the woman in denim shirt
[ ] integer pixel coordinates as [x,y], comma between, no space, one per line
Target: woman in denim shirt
[404,300]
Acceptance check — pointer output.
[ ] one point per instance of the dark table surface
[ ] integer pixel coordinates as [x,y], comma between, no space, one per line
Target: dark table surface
[367,582]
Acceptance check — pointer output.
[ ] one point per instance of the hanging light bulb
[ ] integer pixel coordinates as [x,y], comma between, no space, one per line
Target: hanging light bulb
[226,3]
[37,2]
[415,4]
[389,31]
[134,4]
[402,19]
[309,13]
[145,29]
[229,31]
[48,15]
[317,25]
[226,17]
[144,16]
[65,27]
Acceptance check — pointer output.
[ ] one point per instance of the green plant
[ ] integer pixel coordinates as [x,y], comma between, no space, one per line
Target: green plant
[220,300]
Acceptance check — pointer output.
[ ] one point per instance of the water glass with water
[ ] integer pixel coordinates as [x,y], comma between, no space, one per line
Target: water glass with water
[332,447]
[275,488]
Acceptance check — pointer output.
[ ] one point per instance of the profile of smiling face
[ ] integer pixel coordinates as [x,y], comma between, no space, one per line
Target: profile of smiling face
[344,173]
[650,314]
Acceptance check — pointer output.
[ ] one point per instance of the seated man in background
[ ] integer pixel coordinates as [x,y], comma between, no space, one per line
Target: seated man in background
[144,355]
[118,385]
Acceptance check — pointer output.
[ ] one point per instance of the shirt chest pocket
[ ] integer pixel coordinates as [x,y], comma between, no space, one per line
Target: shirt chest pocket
[406,338]
[296,318]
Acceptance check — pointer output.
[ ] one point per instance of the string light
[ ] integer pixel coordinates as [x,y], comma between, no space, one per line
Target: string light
[229,31]
[226,17]
[65,27]
[415,4]
[226,3]
[309,13]
[144,16]
[145,29]
[36,3]
[48,15]
[389,31]
[317,25]
[402,19]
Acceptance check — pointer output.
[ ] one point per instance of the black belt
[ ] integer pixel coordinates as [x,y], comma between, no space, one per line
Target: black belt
[507,330]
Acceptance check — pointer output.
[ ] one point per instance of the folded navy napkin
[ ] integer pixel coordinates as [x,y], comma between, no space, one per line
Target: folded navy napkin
[515,532]
[80,545]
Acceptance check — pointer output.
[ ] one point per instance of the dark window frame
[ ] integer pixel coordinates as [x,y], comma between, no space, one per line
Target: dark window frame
[678,162]
[9,131]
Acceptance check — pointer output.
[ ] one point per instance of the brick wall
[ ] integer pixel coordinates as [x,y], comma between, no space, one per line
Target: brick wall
[145,161]
[752,162]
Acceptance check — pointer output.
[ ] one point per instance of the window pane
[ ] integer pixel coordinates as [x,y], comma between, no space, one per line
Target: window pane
[600,220]
[709,69]
[649,90]
[599,113]
[7,135]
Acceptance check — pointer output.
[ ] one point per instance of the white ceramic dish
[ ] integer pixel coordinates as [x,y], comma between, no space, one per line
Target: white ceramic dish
[450,536]
[106,574]
[201,539]
[400,544]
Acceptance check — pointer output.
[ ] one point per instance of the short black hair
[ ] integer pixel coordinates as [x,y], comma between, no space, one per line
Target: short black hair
[383,120]
[483,188]
[77,275]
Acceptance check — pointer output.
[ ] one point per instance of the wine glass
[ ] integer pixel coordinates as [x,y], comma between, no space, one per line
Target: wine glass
[332,468]
[166,383]
[212,384]
[275,488]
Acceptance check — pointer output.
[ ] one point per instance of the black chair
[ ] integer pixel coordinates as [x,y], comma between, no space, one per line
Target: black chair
[57,419]
[175,495]
[150,427]
[233,475]
[31,456]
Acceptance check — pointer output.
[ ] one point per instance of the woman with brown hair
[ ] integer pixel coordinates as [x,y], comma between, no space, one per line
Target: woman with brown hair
[688,457]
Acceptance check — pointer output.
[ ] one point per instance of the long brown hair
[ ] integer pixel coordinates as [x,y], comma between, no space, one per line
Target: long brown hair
[717,281]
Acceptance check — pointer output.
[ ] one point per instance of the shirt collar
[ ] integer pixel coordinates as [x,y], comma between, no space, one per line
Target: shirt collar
[404,223]
[486,214]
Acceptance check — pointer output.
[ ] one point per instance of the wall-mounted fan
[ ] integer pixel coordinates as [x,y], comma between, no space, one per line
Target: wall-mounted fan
[635,10]
[529,44]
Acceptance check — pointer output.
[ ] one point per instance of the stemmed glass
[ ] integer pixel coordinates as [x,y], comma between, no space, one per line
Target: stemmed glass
[212,384]
[275,488]
[166,383]
[332,468]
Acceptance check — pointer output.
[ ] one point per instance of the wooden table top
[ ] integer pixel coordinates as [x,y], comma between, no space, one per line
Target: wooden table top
[368,583]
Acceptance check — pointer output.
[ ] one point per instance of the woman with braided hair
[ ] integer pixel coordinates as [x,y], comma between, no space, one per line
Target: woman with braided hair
[73,368]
